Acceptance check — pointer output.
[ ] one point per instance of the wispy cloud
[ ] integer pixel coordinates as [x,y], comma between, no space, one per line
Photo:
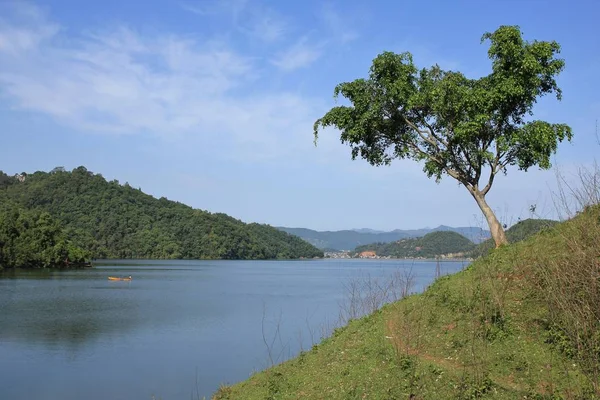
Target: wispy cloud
[335,29]
[120,82]
[267,25]
[197,9]
[254,20]
[299,55]
[340,27]
[206,8]
[264,24]
[26,29]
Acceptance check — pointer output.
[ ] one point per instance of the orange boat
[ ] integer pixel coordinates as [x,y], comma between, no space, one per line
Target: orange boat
[117,278]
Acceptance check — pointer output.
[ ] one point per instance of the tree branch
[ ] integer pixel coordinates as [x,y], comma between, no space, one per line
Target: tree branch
[456,174]
[422,133]
[471,168]
[432,131]
[424,153]
[495,168]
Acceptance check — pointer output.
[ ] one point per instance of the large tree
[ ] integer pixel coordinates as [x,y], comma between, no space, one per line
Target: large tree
[469,129]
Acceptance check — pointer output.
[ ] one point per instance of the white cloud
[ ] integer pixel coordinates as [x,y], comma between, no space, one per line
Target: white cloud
[121,82]
[299,55]
[30,32]
[134,84]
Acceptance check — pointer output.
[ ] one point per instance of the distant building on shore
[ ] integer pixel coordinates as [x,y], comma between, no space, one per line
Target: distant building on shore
[367,254]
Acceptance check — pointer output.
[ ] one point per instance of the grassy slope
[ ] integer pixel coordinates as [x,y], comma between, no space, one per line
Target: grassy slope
[519,231]
[482,333]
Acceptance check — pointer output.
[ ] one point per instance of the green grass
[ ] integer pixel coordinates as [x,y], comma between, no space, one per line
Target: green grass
[516,233]
[494,330]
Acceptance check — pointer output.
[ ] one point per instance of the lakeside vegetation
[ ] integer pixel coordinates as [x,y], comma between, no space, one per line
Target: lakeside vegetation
[33,239]
[520,323]
[110,220]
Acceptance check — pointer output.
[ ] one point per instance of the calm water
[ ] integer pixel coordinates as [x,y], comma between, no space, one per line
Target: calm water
[176,326]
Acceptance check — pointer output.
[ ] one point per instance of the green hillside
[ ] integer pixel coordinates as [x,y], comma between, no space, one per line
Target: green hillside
[520,231]
[431,245]
[111,220]
[521,323]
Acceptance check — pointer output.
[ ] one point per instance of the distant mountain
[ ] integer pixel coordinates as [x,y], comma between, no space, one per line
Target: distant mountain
[475,235]
[367,230]
[431,245]
[350,239]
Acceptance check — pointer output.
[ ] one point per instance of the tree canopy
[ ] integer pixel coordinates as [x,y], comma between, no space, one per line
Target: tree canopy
[36,240]
[469,129]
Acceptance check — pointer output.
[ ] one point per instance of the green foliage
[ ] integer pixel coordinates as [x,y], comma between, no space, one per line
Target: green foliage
[116,221]
[461,127]
[429,246]
[33,239]
[451,121]
[6,180]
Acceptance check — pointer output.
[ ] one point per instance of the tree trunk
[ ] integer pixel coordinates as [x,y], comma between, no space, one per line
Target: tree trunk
[495,228]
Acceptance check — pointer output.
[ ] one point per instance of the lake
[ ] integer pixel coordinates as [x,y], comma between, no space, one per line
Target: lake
[179,329]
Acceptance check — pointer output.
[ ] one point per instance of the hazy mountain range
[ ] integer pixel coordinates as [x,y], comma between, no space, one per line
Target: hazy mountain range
[349,239]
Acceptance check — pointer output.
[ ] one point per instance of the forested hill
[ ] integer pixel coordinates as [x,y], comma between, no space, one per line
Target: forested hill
[117,221]
[431,245]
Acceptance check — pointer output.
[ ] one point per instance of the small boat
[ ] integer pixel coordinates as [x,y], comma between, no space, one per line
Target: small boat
[118,278]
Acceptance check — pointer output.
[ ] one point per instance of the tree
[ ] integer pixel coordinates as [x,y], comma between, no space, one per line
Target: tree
[469,129]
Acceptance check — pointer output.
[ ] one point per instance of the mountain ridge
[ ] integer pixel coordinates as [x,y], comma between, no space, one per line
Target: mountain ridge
[349,239]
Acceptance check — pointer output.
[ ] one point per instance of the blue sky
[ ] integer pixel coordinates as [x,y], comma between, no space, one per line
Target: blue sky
[211,103]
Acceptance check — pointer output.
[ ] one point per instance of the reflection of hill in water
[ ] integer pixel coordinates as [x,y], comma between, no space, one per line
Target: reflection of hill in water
[66,320]
[72,309]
